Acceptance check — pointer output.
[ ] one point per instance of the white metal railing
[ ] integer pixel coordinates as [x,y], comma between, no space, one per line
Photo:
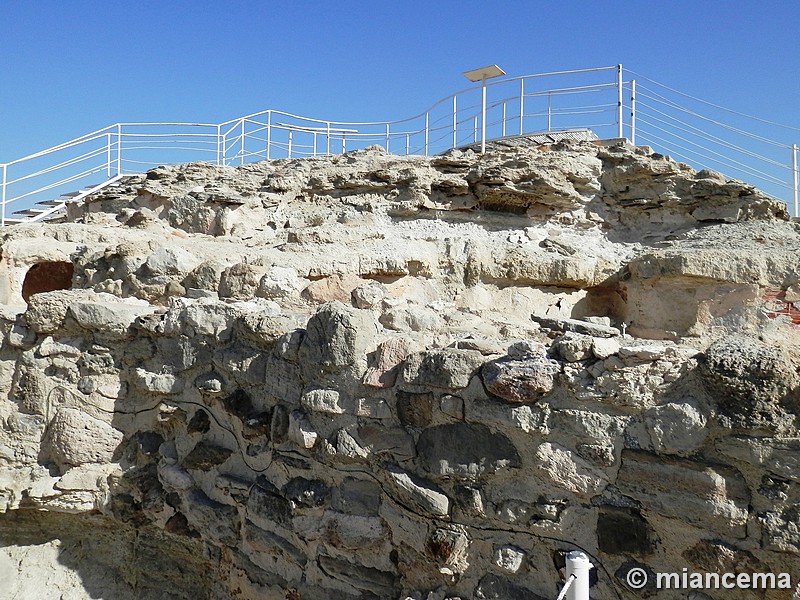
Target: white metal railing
[706,135]
[601,99]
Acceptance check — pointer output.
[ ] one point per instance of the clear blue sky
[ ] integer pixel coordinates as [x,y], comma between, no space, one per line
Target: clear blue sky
[70,67]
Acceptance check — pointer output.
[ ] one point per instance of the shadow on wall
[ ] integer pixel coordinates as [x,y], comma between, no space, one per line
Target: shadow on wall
[47,276]
[46,554]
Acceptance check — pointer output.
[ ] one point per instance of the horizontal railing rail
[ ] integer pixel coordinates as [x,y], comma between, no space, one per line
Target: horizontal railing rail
[599,99]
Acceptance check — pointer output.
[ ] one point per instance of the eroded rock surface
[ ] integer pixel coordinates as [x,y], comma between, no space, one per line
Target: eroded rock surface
[379,377]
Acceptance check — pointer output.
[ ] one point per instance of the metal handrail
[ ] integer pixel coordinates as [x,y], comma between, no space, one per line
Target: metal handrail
[519,107]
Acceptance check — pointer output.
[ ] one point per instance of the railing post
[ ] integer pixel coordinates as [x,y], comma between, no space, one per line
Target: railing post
[269,133]
[315,143]
[504,120]
[290,144]
[119,149]
[483,115]
[328,138]
[549,120]
[219,145]
[633,111]
[475,130]
[619,102]
[108,155]
[3,198]
[244,131]
[455,123]
[426,133]
[521,104]
[794,178]
[408,144]
[387,138]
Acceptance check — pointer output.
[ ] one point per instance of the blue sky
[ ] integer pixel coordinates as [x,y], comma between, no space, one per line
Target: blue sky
[70,67]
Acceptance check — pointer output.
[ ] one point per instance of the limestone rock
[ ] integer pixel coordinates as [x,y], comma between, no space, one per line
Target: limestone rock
[676,428]
[576,326]
[448,368]
[713,497]
[324,401]
[509,558]
[335,288]
[74,438]
[561,468]
[172,261]
[755,385]
[425,495]
[574,347]
[337,337]
[300,430]
[279,282]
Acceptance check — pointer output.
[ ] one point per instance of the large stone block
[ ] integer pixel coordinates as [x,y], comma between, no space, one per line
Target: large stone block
[522,380]
[756,386]
[465,450]
[337,338]
[708,496]
[420,493]
[448,368]
[74,438]
[570,472]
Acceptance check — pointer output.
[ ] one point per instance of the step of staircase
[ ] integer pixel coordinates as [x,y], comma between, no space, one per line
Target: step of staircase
[53,210]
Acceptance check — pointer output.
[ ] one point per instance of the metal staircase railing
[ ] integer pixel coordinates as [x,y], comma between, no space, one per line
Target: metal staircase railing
[599,99]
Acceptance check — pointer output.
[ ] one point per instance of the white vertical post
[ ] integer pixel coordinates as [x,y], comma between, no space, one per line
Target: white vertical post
[3,203]
[483,115]
[219,145]
[269,133]
[108,155]
[455,123]
[241,161]
[549,119]
[474,130]
[387,137]
[794,177]
[619,102]
[578,565]
[521,103]
[315,143]
[328,142]
[427,121]
[504,120]
[119,149]
[290,144]
[633,111]
[408,142]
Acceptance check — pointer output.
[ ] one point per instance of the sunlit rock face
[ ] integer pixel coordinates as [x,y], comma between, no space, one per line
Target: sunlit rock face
[376,377]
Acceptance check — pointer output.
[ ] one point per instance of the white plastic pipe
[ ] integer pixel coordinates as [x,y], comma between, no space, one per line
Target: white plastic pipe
[578,564]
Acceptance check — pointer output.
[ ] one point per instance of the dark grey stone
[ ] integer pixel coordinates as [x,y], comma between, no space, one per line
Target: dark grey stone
[307,492]
[206,455]
[357,497]
[415,410]
[465,450]
[623,531]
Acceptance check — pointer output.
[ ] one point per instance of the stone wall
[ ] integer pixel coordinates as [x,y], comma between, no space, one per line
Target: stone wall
[329,381]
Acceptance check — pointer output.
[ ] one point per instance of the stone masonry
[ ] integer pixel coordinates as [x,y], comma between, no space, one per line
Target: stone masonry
[378,377]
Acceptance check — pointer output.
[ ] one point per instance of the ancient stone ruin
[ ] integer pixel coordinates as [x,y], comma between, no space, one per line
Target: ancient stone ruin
[379,377]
